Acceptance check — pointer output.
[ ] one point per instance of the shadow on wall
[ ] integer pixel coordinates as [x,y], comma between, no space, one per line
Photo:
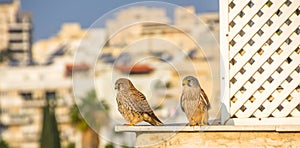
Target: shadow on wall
[225,116]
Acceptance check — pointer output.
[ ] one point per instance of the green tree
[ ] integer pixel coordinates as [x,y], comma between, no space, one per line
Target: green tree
[70,145]
[93,111]
[109,145]
[4,55]
[3,144]
[50,134]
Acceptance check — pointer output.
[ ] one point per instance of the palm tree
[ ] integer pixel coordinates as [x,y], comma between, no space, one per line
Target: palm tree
[91,111]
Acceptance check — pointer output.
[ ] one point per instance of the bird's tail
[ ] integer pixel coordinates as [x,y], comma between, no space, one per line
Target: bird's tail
[153,120]
[208,106]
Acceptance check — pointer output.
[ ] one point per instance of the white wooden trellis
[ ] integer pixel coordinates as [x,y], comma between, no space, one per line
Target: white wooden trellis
[260,60]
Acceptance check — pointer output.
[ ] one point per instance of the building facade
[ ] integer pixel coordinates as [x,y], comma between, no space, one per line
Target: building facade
[16,33]
[22,98]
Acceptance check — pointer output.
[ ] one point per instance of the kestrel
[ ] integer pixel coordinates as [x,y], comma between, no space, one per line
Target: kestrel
[132,104]
[194,102]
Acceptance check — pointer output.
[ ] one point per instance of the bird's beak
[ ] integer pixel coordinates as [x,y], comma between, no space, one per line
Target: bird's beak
[184,82]
[116,87]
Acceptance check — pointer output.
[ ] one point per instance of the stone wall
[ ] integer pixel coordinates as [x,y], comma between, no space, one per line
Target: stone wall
[217,139]
[178,135]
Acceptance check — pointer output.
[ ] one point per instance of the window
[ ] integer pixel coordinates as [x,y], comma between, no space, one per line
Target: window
[3,93]
[26,95]
[50,95]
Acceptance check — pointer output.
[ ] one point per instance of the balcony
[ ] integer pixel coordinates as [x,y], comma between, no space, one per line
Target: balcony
[19,36]
[19,46]
[63,118]
[34,103]
[14,137]
[31,136]
[20,26]
[64,101]
[16,119]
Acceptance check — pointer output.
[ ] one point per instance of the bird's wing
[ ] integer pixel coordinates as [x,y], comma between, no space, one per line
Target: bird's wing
[181,102]
[205,98]
[138,101]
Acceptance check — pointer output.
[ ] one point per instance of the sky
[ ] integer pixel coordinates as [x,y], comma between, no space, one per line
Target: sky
[49,15]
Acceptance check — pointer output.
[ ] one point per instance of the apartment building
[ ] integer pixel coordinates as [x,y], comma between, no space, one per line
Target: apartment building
[16,33]
[22,98]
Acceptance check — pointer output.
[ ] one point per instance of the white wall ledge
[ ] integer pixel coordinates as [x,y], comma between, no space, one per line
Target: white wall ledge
[212,128]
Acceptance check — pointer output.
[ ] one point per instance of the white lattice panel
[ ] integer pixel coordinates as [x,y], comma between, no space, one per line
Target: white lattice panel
[260,41]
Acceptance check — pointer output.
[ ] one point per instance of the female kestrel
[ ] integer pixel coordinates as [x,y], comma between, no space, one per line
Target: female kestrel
[132,104]
[194,101]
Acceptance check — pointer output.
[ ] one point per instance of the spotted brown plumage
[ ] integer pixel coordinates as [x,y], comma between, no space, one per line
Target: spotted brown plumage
[194,101]
[132,104]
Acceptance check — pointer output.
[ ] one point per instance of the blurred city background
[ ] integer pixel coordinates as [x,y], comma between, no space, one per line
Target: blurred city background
[37,102]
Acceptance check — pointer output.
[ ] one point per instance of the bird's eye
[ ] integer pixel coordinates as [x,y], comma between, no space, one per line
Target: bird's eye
[189,83]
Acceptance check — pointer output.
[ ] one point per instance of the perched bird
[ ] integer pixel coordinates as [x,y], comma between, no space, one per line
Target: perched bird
[132,104]
[194,102]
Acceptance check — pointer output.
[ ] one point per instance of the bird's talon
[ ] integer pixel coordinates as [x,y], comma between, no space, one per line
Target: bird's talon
[191,124]
[202,124]
[130,124]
